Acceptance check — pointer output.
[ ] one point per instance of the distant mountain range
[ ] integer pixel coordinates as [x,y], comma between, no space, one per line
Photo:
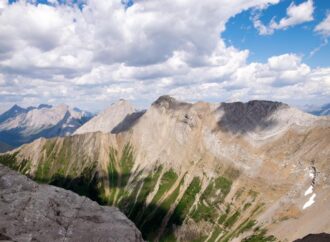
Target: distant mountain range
[22,125]
[254,171]
[321,111]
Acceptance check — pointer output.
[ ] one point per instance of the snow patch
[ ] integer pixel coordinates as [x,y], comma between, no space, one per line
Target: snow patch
[310,201]
[309,190]
[311,174]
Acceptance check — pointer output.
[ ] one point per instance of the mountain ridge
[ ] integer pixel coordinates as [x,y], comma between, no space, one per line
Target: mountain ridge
[24,125]
[107,120]
[184,171]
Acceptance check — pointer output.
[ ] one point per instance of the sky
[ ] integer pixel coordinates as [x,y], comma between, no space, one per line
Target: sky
[90,53]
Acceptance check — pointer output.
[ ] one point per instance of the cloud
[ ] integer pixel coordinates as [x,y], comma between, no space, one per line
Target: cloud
[92,54]
[323,28]
[296,14]
[318,48]
[3,4]
[279,71]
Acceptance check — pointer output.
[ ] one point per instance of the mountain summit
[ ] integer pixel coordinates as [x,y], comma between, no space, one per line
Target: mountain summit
[201,171]
[12,112]
[107,120]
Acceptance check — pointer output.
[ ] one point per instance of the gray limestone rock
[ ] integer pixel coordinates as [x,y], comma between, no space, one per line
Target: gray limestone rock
[34,212]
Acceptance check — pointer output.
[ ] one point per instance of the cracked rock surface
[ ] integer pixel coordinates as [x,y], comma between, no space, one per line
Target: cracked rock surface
[34,212]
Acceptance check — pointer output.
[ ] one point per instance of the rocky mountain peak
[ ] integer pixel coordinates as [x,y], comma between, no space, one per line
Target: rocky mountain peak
[259,115]
[250,105]
[12,112]
[121,102]
[44,106]
[169,102]
[258,109]
[16,107]
[109,119]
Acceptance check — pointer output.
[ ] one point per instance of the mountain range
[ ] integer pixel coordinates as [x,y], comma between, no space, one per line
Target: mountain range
[321,111]
[22,125]
[255,171]
[19,126]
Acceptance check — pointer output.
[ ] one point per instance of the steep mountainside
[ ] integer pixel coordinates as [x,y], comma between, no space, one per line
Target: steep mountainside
[113,119]
[200,172]
[24,125]
[33,212]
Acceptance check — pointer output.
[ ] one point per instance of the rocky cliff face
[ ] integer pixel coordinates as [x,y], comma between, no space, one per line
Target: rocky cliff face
[33,212]
[204,172]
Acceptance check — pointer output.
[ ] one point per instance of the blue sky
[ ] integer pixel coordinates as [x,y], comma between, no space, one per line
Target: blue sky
[300,39]
[90,53]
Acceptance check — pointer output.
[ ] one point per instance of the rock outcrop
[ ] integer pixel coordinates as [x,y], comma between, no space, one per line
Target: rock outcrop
[33,212]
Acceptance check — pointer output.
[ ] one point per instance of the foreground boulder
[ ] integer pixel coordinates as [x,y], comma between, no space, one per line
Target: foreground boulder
[33,212]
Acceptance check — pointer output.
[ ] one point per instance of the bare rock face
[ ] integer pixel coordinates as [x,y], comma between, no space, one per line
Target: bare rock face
[323,237]
[33,212]
[261,118]
[113,119]
[169,102]
[243,117]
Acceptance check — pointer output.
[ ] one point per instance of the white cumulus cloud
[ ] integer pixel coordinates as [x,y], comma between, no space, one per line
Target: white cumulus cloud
[90,56]
[324,27]
[296,14]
